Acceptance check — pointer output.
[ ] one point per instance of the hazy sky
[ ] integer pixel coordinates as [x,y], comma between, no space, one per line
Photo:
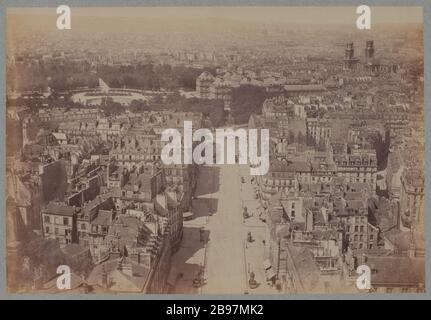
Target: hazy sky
[280,15]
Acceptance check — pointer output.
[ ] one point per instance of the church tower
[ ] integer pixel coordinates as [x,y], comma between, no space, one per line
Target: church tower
[350,61]
[369,51]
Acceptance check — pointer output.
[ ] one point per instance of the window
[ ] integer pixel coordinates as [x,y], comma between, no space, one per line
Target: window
[46,219]
[47,230]
[66,221]
[293,205]
[362,228]
[388,290]
[83,226]
[293,213]
[56,231]
[356,228]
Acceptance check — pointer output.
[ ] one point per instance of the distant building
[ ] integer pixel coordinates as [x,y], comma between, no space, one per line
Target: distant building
[374,65]
[350,62]
[412,198]
[371,64]
[204,84]
[360,167]
[369,51]
[390,274]
[59,222]
[140,255]
[285,176]
[353,215]
[294,90]
[320,130]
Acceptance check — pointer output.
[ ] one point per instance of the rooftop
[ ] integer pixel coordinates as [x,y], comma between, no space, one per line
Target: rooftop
[396,271]
[60,209]
[120,280]
[304,87]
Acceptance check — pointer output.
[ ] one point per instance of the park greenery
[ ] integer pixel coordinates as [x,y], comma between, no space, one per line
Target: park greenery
[167,79]
[246,100]
[211,109]
[38,75]
[150,76]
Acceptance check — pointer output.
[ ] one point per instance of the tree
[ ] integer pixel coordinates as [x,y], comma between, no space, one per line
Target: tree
[247,99]
[212,109]
[157,99]
[110,107]
[137,106]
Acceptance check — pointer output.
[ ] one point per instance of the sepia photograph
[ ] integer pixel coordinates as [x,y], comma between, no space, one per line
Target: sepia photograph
[200,150]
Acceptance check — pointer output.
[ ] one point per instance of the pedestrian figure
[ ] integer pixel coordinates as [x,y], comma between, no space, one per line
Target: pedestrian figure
[245,213]
[249,237]
[252,281]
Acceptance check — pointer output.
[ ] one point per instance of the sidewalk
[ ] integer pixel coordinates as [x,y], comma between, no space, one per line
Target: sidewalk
[255,256]
[255,250]
[188,261]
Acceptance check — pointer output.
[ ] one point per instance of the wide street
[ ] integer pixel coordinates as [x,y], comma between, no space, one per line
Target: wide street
[225,265]
[223,255]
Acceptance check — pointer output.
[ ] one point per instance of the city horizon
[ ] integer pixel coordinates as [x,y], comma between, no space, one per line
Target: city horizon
[116,176]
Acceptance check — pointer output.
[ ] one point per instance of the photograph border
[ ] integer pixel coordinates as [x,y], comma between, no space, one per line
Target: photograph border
[426,6]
